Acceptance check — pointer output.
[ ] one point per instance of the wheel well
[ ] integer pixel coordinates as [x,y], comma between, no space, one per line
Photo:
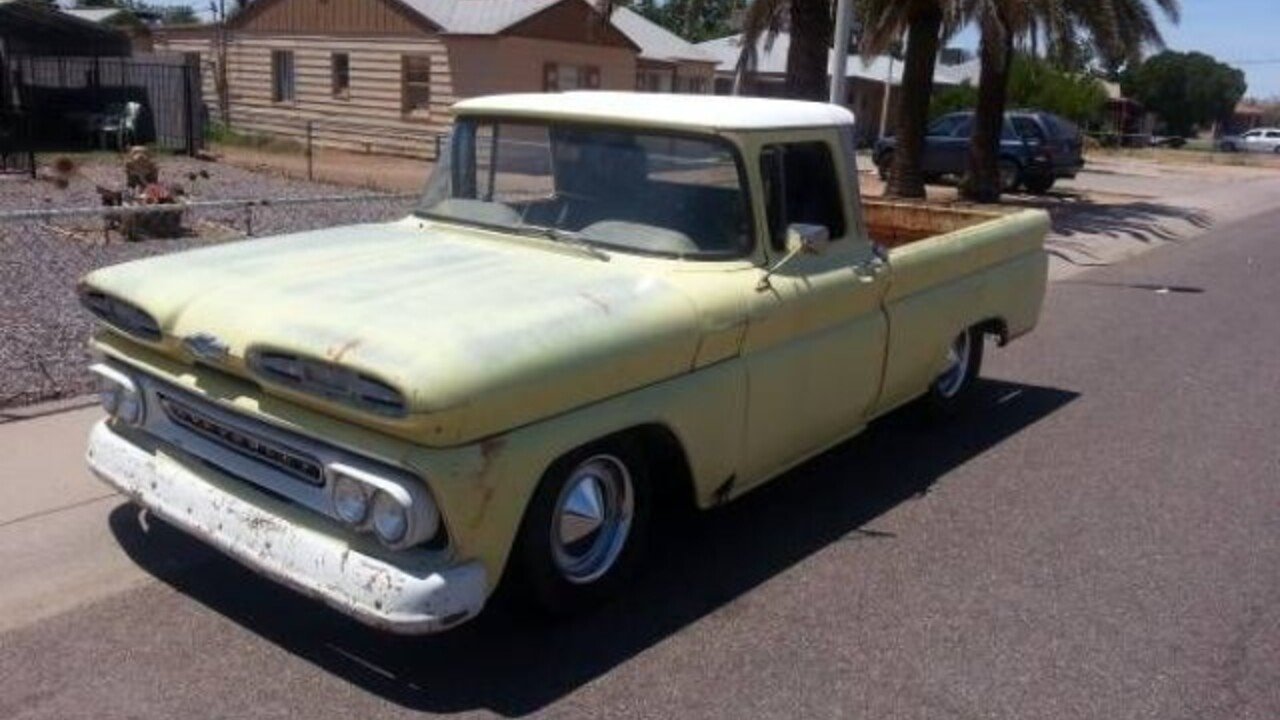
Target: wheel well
[996,327]
[668,465]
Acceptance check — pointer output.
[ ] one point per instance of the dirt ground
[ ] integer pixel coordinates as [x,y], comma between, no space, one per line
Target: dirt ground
[375,172]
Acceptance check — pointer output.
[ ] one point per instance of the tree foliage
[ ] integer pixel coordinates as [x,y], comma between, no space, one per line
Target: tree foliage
[693,20]
[1186,90]
[1034,84]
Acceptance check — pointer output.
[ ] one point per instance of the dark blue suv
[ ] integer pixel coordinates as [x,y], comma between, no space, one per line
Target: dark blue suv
[1036,149]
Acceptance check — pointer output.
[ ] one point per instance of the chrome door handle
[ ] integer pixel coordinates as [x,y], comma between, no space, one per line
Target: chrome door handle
[868,271]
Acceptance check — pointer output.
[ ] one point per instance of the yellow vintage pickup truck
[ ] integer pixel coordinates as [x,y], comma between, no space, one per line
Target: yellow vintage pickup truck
[605,303]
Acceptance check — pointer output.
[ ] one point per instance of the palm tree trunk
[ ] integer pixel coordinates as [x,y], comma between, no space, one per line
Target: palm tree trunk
[982,179]
[923,29]
[811,30]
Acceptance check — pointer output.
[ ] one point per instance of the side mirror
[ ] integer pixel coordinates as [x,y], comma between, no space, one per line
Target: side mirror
[801,238]
[812,239]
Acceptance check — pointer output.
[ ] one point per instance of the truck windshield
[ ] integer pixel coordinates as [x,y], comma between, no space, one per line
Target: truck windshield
[648,193]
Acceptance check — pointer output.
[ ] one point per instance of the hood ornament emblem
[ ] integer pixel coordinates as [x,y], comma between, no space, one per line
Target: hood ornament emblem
[207,347]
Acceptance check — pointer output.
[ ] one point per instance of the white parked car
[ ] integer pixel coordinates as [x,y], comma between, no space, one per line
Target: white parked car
[1256,140]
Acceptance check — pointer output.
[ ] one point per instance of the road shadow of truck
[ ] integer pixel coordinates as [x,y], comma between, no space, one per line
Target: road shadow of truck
[513,664]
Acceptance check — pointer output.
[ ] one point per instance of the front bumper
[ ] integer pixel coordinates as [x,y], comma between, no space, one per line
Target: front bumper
[409,596]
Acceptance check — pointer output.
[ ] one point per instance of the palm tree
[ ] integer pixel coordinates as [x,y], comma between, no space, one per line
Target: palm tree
[1113,27]
[810,25]
[924,21]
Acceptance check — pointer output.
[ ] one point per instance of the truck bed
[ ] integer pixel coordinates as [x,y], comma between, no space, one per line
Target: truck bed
[894,224]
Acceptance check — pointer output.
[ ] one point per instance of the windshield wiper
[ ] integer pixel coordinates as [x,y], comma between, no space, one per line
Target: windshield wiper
[567,237]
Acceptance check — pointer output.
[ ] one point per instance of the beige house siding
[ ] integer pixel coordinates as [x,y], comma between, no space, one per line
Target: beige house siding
[488,65]
[370,118]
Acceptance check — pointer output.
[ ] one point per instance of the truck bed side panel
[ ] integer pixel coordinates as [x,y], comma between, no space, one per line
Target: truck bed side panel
[996,270]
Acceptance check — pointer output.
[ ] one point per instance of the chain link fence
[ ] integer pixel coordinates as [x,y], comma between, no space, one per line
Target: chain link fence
[44,251]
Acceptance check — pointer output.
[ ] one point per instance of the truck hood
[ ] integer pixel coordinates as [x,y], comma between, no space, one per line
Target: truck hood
[480,335]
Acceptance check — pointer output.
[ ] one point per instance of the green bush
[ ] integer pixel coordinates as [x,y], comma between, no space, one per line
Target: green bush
[1034,85]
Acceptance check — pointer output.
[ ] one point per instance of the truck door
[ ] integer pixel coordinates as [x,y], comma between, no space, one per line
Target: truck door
[816,335]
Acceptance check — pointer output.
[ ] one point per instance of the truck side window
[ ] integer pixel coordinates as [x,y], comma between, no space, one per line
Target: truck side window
[801,186]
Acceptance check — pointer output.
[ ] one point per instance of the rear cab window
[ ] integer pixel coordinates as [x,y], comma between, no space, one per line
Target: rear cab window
[801,185]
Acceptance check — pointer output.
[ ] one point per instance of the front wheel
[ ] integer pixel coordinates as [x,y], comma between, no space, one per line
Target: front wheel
[952,390]
[585,529]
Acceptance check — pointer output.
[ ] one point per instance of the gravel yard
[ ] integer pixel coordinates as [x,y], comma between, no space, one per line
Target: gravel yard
[43,330]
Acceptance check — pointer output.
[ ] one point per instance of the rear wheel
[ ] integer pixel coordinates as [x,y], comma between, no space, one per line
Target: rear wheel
[1009,175]
[585,529]
[1039,184]
[886,166]
[952,390]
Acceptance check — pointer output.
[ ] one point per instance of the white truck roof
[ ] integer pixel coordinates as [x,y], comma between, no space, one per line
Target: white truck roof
[690,112]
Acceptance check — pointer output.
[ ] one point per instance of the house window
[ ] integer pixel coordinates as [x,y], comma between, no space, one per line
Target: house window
[282,78]
[340,72]
[558,77]
[415,74]
[691,85]
[653,81]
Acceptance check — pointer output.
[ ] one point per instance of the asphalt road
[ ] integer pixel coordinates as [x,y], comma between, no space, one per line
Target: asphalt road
[1100,538]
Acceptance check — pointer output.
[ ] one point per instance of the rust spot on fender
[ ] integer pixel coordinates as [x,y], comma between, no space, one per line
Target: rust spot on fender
[489,451]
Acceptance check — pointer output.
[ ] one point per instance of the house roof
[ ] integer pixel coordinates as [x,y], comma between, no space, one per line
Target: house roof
[772,60]
[94,15]
[685,112]
[37,29]
[477,17]
[490,17]
[655,41]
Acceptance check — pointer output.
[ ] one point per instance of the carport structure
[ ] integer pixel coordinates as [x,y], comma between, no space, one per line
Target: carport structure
[34,29]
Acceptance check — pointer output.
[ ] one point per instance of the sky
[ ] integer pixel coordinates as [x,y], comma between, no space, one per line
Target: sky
[1243,33]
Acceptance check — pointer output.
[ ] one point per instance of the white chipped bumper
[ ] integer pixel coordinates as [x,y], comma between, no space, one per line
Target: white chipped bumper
[269,536]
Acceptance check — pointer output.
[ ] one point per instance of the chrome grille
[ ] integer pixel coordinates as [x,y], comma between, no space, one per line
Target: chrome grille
[242,440]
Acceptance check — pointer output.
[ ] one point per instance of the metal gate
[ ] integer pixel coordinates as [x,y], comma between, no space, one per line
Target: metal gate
[17,150]
[72,95]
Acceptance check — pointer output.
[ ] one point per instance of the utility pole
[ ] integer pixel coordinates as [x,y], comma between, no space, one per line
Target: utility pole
[888,90]
[840,51]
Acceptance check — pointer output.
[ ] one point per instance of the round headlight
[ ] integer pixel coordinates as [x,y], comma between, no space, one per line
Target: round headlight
[350,500]
[130,408]
[109,396]
[390,519]
[119,394]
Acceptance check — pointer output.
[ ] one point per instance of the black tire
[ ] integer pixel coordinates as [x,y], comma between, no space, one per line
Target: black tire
[1039,184]
[1010,174]
[537,574]
[945,399]
[885,165]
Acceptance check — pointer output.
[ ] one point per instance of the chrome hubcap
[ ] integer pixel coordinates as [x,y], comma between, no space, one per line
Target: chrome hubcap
[952,378]
[592,519]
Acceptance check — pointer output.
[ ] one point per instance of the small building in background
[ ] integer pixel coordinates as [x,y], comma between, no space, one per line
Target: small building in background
[867,80]
[133,22]
[380,75]
[1245,118]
